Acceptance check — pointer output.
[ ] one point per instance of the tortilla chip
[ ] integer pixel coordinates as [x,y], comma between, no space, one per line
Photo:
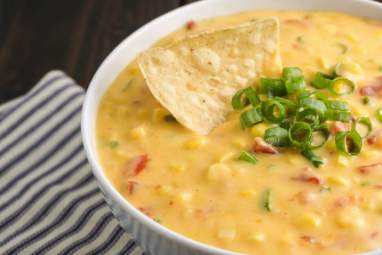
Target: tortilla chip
[195,78]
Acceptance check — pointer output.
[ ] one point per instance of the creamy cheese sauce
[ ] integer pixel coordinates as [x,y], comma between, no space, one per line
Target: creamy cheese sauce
[195,185]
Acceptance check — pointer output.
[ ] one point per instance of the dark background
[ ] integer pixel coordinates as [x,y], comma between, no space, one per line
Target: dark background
[72,35]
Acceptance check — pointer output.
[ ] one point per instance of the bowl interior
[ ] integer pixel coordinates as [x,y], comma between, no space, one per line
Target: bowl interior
[165,24]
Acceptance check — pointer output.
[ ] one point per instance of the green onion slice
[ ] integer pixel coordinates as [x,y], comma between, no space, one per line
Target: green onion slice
[273,110]
[300,134]
[309,155]
[309,116]
[248,157]
[272,87]
[337,105]
[292,72]
[341,86]
[349,142]
[295,85]
[367,126]
[379,114]
[320,136]
[289,105]
[277,136]
[244,97]
[266,200]
[343,116]
[321,81]
[294,79]
[314,104]
[250,117]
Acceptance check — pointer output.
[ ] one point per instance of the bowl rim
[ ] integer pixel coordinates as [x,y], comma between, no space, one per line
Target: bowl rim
[96,167]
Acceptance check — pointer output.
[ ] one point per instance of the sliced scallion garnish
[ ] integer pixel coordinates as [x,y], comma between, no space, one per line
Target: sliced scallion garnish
[378,114]
[277,136]
[244,97]
[272,87]
[300,134]
[321,81]
[349,142]
[366,123]
[315,105]
[300,115]
[309,116]
[341,86]
[309,155]
[248,157]
[320,136]
[343,116]
[293,79]
[250,117]
[273,111]
[266,200]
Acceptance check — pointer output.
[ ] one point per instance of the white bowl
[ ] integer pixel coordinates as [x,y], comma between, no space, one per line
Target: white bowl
[155,238]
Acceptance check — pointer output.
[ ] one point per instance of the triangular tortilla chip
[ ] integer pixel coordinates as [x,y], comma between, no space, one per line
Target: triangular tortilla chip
[195,78]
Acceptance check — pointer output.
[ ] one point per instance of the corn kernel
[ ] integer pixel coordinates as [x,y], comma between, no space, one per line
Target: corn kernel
[343,161]
[248,193]
[288,239]
[178,167]
[138,132]
[195,143]
[350,219]
[295,159]
[185,197]
[331,144]
[257,237]
[309,220]
[339,181]
[323,62]
[370,154]
[259,129]
[240,142]
[165,189]
[142,113]
[158,114]
[349,69]
[227,233]
[226,156]
[374,204]
[219,171]
[358,111]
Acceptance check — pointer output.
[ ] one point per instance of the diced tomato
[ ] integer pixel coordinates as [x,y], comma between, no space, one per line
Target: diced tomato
[131,186]
[373,89]
[374,234]
[190,25]
[367,168]
[338,126]
[372,139]
[260,146]
[136,165]
[306,197]
[309,177]
[309,239]
[342,201]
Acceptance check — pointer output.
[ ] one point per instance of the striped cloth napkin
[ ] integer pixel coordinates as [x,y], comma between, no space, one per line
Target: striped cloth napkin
[49,199]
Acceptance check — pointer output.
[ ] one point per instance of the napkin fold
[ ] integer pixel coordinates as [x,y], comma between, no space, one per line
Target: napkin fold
[49,200]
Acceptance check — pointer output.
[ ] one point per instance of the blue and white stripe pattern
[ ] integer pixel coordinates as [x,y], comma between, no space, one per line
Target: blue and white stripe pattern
[49,200]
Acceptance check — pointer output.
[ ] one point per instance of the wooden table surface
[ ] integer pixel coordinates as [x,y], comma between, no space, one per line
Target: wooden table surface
[71,35]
